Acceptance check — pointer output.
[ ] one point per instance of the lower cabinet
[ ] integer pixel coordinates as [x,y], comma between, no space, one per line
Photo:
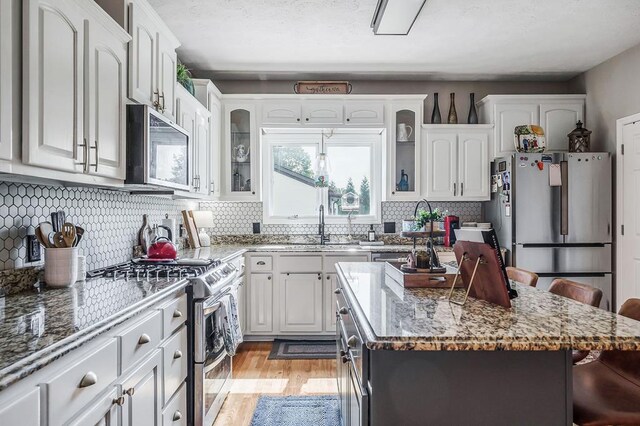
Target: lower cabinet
[104,412]
[261,302]
[23,410]
[175,411]
[330,285]
[141,390]
[301,303]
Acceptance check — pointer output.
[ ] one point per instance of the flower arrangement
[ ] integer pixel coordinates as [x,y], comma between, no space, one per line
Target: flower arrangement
[424,217]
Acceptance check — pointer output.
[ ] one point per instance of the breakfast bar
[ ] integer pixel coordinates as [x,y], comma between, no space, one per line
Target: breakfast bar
[411,357]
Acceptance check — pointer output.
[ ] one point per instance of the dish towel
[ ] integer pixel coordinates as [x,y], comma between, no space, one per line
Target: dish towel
[231,331]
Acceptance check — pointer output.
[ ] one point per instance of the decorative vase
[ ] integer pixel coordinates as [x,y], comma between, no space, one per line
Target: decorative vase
[435,115]
[453,115]
[144,234]
[473,114]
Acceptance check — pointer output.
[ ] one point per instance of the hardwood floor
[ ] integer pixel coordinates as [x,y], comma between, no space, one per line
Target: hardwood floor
[255,375]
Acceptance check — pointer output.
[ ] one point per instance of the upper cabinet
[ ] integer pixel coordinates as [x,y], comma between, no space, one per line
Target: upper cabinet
[209,95]
[324,112]
[152,59]
[74,62]
[556,114]
[276,112]
[456,162]
[364,112]
[403,168]
[240,154]
[9,79]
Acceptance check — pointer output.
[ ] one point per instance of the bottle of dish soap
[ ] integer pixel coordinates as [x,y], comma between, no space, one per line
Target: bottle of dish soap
[371,234]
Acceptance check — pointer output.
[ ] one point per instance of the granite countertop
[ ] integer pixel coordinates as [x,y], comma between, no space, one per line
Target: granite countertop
[334,248]
[395,318]
[39,326]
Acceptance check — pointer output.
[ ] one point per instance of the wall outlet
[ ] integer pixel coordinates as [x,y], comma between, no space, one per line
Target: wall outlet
[389,227]
[33,249]
[256,227]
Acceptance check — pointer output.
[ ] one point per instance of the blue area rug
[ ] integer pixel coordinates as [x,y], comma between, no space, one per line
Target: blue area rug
[297,410]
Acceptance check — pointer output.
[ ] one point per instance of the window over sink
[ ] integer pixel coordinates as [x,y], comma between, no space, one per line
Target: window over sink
[289,176]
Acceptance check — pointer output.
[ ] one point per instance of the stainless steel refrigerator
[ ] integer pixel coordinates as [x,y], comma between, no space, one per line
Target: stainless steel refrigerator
[552,212]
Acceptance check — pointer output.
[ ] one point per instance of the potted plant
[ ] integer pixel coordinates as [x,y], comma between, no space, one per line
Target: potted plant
[424,217]
[183,75]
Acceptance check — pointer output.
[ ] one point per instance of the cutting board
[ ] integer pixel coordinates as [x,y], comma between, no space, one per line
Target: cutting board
[192,231]
[421,279]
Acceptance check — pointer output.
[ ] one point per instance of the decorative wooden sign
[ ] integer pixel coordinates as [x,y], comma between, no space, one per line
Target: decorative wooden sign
[322,88]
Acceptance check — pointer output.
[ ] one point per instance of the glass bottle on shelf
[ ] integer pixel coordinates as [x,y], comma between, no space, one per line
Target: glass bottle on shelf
[240,150]
[405,150]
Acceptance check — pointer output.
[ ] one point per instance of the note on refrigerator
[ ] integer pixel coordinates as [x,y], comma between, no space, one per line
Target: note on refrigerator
[555,176]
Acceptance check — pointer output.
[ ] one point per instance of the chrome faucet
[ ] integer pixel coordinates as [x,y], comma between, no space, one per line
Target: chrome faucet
[323,238]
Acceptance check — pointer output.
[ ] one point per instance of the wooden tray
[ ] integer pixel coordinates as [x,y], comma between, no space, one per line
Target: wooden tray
[421,279]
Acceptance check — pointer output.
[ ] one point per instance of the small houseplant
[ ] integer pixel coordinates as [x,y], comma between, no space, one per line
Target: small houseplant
[424,217]
[183,75]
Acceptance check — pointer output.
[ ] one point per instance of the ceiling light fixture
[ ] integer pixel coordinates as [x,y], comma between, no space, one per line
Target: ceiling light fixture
[395,17]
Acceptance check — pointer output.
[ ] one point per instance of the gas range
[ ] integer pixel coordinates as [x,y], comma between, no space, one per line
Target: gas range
[140,270]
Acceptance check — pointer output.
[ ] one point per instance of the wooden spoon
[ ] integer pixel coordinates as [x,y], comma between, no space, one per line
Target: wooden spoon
[59,240]
[68,232]
[40,239]
[79,234]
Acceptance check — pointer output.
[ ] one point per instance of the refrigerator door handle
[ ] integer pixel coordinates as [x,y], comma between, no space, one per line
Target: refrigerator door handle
[571,274]
[564,200]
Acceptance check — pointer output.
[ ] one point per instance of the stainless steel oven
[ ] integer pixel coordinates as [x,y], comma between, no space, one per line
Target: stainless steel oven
[158,151]
[212,365]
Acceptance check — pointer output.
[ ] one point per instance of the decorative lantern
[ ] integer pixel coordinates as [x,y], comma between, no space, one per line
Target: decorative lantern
[579,139]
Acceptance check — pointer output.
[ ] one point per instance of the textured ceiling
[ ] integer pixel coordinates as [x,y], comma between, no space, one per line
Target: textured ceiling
[464,39]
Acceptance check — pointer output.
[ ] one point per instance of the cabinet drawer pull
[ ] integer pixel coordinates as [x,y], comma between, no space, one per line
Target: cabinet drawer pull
[177,416]
[144,339]
[461,189]
[130,391]
[261,263]
[177,354]
[319,276]
[352,342]
[454,189]
[177,314]
[343,311]
[336,291]
[119,401]
[89,379]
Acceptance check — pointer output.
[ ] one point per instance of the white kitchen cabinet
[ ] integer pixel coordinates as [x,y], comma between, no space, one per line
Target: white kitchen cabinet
[142,391]
[301,303]
[22,410]
[364,113]
[323,112]
[456,160]
[558,120]
[281,112]
[53,84]
[241,154]
[403,151]
[103,412]
[261,303]
[556,114]
[152,59]
[194,118]
[9,79]
[209,96]
[242,305]
[440,163]
[105,97]
[330,298]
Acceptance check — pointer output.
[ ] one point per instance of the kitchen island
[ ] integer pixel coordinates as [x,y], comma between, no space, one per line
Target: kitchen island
[410,357]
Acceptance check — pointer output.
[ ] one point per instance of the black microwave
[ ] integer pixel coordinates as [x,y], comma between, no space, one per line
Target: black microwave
[158,151]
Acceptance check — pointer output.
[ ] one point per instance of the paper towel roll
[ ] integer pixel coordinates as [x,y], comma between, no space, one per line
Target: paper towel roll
[171,224]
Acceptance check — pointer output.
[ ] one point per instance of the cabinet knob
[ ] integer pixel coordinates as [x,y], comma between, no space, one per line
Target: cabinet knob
[177,314]
[119,401]
[253,192]
[319,276]
[297,119]
[130,391]
[177,416]
[177,354]
[336,291]
[269,277]
[343,311]
[393,192]
[261,263]
[88,379]
[144,339]
[352,341]
[348,119]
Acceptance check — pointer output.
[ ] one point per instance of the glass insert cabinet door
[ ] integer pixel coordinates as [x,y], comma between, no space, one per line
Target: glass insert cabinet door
[404,145]
[240,156]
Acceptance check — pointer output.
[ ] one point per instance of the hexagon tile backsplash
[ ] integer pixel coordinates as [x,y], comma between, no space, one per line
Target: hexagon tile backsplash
[111,219]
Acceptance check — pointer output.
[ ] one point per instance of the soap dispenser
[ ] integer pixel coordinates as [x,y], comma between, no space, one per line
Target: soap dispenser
[371,234]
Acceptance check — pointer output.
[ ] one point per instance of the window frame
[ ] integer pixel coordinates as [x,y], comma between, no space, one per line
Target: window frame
[372,137]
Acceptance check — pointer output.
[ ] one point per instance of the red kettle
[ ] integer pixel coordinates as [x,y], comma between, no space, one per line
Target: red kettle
[162,248]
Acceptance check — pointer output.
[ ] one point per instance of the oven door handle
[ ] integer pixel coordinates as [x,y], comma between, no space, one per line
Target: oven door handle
[208,310]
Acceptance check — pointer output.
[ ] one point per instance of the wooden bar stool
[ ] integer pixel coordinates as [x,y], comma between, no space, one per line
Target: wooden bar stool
[607,390]
[580,292]
[522,276]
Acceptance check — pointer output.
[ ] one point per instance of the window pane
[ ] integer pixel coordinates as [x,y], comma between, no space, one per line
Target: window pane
[350,179]
[293,186]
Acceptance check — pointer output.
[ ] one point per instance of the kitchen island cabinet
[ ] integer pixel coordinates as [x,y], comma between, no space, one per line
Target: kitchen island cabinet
[418,359]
